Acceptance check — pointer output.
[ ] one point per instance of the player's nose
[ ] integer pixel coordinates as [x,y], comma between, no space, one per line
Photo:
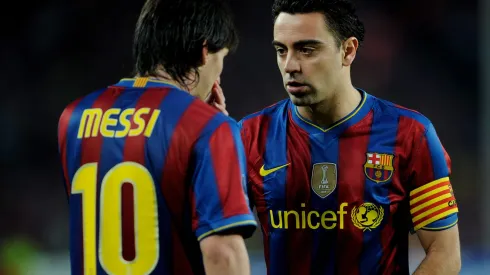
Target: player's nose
[291,65]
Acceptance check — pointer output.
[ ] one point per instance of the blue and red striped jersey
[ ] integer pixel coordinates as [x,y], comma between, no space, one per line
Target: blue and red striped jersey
[341,200]
[150,171]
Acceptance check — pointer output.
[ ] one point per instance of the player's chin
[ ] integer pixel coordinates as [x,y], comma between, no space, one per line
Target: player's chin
[301,99]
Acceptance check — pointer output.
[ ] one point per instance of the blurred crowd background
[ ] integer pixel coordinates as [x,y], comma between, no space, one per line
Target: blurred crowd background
[420,54]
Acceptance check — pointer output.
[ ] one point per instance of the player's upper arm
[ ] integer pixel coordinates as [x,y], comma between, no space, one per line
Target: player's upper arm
[220,246]
[432,202]
[445,240]
[219,182]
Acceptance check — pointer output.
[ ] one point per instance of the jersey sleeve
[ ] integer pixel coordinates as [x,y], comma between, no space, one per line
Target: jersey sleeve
[64,127]
[219,184]
[432,201]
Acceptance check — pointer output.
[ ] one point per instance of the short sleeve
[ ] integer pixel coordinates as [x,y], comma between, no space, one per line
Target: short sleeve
[219,183]
[432,201]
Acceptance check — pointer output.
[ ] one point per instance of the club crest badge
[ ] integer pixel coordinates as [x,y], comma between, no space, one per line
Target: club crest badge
[379,167]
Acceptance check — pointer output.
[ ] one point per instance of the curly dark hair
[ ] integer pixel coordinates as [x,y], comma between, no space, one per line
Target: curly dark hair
[171,34]
[340,15]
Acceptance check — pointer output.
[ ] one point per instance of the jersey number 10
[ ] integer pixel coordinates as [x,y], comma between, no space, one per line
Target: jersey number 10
[110,229]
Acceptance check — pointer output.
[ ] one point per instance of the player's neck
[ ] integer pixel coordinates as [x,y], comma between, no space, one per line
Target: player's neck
[162,76]
[340,104]
[170,82]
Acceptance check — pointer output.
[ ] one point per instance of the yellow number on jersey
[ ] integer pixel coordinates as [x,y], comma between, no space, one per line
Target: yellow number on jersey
[110,232]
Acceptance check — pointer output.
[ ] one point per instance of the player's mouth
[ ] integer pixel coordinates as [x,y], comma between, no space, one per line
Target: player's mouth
[295,87]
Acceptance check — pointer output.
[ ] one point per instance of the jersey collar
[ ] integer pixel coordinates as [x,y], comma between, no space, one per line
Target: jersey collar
[341,125]
[142,82]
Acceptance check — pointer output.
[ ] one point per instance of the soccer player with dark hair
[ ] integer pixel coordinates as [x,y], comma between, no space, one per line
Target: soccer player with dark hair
[338,176]
[156,176]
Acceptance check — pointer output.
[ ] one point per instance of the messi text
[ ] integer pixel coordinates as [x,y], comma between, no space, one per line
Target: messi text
[132,122]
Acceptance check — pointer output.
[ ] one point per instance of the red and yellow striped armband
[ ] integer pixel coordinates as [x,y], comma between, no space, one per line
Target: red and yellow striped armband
[431,202]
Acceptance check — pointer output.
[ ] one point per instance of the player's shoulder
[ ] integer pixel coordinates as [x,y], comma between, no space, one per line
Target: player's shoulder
[410,117]
[70,108]
[202,110]
[259,118]
[201,115]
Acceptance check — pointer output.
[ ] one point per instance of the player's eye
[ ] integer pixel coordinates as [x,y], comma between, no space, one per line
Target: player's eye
[306,51]
[280,51]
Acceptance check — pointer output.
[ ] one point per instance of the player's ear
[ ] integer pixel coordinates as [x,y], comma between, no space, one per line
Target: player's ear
[349,48]
[204,56]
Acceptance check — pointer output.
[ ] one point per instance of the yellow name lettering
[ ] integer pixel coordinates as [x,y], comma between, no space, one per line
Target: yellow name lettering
[90,123]
[139,121]
[125,122]
[151,124]
[131,122]
[107,121]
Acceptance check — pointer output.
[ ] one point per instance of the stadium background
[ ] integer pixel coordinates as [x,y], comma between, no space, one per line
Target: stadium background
[426,55]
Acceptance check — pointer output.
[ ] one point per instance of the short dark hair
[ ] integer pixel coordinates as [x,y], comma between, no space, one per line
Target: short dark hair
[340,15]
[171,34]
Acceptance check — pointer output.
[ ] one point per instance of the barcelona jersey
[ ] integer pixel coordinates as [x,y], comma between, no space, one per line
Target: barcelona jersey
[343,199]
[150,171]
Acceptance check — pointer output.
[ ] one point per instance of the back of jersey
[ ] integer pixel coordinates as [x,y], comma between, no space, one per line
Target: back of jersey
[150,170]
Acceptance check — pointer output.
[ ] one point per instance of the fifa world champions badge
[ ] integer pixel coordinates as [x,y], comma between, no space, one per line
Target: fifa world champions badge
[379,167]
[324,178]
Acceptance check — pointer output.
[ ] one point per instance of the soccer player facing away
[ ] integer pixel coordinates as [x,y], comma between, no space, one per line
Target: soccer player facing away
[156,176]
[338,176]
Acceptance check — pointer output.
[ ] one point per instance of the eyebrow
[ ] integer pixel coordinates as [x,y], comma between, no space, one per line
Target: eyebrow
[299,43]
